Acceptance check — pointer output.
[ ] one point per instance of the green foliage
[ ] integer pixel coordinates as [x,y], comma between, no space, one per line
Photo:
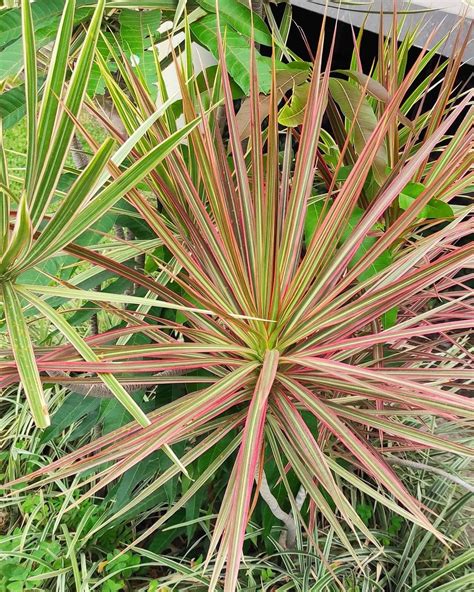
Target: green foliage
[313,220]
[357,109]
[238,16]
[271,325]
[17,575]
[12,106]
[435,208]
[132,34]
[293,340]
[237,52]
[46,15]
[292,114]
[47,149]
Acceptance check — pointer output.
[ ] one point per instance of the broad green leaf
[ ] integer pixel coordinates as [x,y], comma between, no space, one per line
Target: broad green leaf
[24,355]
[389,318]
[11,58]
[46,16]
[434,209]
[62,266]
[375,89]
[239,16]
[203,478]
[358,111]
[383,261]
[74,408]
[237,51]
[292,74]
[44,13]
[286,76]
[292,114]
[372,86]
[312,221]
[97,85]
[169,5]
[12,106]
[135,29]
[191,455]
[10,25]
[138,30]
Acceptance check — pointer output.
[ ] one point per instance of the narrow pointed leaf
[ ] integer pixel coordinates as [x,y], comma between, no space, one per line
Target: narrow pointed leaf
[88,354]
[24,355]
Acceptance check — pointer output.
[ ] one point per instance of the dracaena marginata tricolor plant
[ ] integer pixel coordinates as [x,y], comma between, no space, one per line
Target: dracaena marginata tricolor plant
[311,323]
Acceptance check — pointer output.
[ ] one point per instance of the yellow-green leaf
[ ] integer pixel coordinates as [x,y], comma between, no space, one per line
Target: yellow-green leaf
[21,236]
[24,356]
[292,114]
[356,108]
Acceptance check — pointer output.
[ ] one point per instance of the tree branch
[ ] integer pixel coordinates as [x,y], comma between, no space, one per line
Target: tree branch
[289,534]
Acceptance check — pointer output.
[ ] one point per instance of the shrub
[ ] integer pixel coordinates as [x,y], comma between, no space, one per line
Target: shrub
[318,300]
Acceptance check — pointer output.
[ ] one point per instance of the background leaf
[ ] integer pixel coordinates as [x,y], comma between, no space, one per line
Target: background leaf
[237,52]
[292,114]
[135,29]
[357,109]
[238,15]
[434,209]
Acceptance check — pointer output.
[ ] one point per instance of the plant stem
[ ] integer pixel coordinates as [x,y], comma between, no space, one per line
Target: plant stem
[288,537]
[422,467]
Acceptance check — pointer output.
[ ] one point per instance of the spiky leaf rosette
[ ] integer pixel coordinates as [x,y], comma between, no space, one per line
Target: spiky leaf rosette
[296,323]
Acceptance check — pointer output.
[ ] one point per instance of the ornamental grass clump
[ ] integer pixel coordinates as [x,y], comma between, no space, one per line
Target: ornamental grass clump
[323,299]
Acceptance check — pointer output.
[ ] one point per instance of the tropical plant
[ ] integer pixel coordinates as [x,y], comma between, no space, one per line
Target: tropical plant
[322,305]
[38,236]
[299,362]
[131,30]
[42,545]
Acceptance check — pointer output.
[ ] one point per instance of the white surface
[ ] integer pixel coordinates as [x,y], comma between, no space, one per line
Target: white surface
[442,14]
[457,7]
[202,58]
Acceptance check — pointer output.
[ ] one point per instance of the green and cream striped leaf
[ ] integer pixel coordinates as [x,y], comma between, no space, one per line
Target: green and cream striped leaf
[87,353]
[24,355]
[60,141]
[31,92]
